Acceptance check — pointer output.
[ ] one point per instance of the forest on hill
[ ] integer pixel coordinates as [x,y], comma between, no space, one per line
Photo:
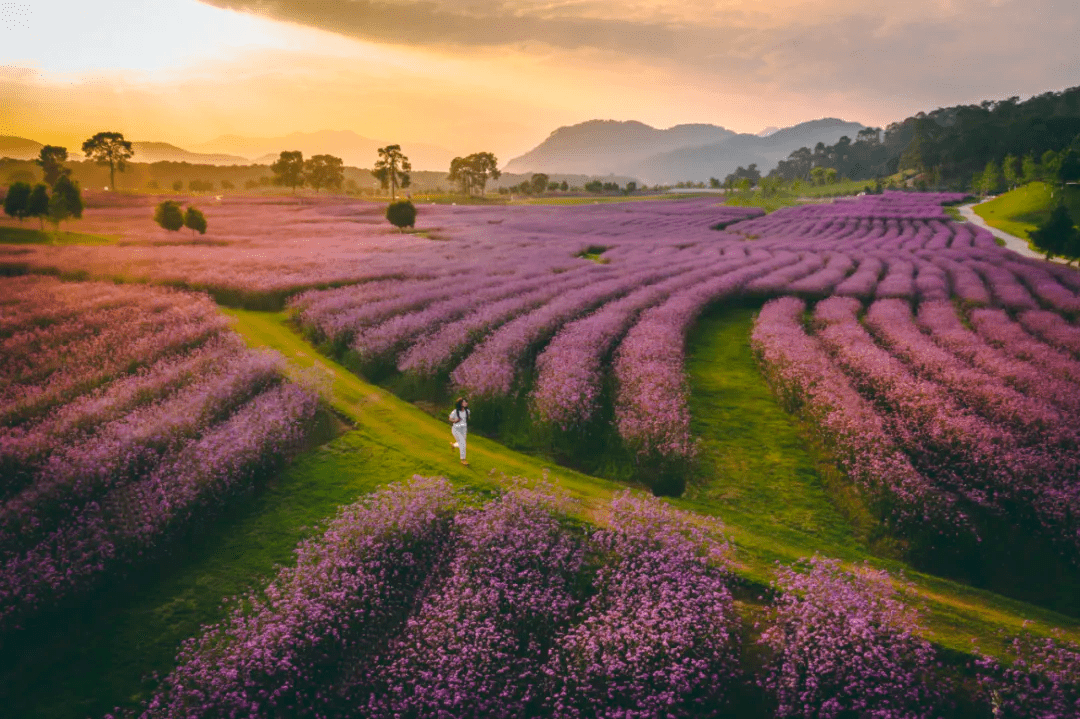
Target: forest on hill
[950,144]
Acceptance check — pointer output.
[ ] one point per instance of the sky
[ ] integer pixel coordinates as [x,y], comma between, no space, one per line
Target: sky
[500,75]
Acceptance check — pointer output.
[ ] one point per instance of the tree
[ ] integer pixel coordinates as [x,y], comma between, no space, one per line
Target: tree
[472,172]
[1011,171]
[38,205]
[392,169]
[990,179]
[17,201]
[1055,235]
[288,169]
[109,148]
[1051,161]
[50,161]
[1069,169]
[195,221]
[401,214]
[178,186]
[66,201]
[169,215]
[564,186]
[227,185]
[324,171]
[539,182]
[1029,169]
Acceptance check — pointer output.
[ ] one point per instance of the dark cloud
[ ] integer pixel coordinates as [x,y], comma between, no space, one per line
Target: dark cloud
[930,50]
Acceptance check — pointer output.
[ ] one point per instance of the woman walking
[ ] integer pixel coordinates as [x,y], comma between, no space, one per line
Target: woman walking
[459,418]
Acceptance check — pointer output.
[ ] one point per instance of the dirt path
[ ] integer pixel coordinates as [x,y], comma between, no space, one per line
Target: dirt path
[1012,242]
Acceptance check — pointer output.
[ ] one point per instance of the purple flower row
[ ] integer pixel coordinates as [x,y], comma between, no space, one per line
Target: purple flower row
[130,419]
[410,606]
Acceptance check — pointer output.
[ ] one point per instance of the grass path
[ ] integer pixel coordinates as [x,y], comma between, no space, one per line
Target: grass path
[95,658]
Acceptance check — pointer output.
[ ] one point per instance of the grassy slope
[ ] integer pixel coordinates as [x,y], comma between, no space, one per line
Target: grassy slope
[755,474]
[1025,208]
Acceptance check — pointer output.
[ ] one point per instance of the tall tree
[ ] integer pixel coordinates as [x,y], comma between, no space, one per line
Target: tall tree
[51,160]
[66,201]
[392,169]
[195,221]
[288,169]
[539,182]
[473,172]
[324,171]
[1012,171]
[109,148]
[1054,237]
[1029,169]
[38,205]
[17,200]
[1069,169]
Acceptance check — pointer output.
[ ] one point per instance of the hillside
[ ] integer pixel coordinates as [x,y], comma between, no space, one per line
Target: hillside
[683,152]
[608,146]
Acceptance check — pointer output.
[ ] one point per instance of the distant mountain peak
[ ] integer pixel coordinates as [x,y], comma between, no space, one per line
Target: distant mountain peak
[692,151]
[768,131]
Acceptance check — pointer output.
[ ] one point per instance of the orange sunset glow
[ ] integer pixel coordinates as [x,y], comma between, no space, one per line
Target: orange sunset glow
[502,75]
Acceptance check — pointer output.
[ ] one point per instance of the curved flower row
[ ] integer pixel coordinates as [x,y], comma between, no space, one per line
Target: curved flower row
[119,426]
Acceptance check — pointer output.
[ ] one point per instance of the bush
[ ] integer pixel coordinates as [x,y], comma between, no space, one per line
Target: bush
[844,645]
[169,216]
[401,214]
[17,201]
[195,221]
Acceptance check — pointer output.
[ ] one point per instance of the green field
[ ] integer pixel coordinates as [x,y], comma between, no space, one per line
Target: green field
[779,497]
[1022,210]
[29,236]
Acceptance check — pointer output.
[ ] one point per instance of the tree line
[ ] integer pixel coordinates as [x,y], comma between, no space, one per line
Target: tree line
[953,146]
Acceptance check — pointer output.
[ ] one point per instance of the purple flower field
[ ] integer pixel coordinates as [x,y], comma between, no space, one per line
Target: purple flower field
[126,413]
[416,602]
[513,313]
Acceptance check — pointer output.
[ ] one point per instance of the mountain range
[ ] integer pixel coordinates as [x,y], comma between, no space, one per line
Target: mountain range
[682,152]
[595,148]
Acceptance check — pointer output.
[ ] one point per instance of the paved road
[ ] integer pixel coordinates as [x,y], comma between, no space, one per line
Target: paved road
[1012,242]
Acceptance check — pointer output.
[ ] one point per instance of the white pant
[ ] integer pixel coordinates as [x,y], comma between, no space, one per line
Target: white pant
[459,437]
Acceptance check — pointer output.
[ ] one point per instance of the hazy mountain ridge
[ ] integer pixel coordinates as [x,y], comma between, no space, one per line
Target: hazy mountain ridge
[600,147]
[165,152]
[682,152]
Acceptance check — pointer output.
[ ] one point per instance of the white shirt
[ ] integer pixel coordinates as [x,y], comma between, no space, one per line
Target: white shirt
[462,417]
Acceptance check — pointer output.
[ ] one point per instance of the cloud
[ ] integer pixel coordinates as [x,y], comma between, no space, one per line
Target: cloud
[925,50]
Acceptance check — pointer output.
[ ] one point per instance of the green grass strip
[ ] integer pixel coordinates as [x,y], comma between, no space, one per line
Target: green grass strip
[27,236]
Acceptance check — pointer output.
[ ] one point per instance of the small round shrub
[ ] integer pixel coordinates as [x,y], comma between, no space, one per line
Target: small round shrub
[169,215]
[401,213]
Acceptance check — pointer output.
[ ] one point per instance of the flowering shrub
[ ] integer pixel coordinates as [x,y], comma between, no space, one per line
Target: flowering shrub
[660,635]
[844,644]
[477,648]
[1041,679]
